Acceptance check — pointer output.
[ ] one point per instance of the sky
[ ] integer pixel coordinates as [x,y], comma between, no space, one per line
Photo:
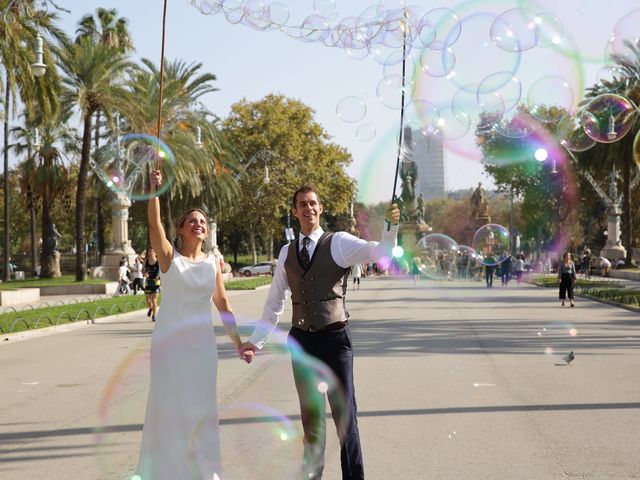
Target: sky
[251,64]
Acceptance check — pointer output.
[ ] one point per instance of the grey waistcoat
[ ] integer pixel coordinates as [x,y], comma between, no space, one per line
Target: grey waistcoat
[317,293]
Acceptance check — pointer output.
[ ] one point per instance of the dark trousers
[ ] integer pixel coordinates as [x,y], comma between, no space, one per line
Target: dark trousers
[333,349]
[488,275]
[566,286]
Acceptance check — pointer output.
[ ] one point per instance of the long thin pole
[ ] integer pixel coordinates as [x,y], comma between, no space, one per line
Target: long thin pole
[160,95]
[400,137]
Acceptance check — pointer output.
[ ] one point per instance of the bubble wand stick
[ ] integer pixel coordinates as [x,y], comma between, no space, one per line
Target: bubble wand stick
[160,93]
[404,27]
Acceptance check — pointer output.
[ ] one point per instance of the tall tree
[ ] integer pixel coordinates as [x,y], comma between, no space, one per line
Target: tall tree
[45,173]
[203,173]
[545,188]
[620,153]
[107,28]
[300,151]
[21,23]
[94,79]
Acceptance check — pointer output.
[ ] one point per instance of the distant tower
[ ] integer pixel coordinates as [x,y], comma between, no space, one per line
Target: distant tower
[428,153]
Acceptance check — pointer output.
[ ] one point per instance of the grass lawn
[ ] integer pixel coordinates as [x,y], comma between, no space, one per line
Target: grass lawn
[625,296]
[249,284]
[551,281]
[50,282]
[44,317]
[610,290]
[30,318]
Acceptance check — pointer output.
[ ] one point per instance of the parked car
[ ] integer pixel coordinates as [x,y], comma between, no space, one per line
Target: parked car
[262,268]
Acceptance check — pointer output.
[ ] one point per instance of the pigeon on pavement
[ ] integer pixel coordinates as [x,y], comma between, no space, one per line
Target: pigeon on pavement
[569,357]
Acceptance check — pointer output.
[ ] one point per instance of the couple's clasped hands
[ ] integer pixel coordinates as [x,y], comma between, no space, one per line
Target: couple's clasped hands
[247,352]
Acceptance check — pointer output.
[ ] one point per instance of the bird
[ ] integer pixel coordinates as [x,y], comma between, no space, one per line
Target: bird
[569,357]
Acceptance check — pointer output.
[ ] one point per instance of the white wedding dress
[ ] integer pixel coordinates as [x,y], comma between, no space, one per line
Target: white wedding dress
[181,436]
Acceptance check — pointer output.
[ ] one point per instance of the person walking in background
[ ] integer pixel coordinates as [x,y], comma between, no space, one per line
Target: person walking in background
[505,270]
[356,272]
[152,283]
[518,267]
[312,269]
[138,276]
[123,279]
[585,263]
[566,278]
[488,274]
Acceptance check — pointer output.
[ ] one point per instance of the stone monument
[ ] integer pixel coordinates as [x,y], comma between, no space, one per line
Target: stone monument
[120,203]
[412,224]
[613,249]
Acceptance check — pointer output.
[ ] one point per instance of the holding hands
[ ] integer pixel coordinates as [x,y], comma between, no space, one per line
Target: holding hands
[247,352]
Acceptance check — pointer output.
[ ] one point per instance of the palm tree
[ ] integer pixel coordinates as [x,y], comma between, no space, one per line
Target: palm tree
[206,173]
[45,173]
[94,80]
[620,153]
[19,27]
[106,28]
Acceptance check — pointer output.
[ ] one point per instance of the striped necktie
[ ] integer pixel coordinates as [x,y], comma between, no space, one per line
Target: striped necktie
[304,253]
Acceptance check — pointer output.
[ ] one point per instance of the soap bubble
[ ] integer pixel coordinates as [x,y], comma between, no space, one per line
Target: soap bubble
[124,166]
[608,117]
[351,109]
[493,242]
[436,255]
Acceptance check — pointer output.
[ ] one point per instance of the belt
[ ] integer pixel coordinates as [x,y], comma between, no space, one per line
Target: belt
[330,327]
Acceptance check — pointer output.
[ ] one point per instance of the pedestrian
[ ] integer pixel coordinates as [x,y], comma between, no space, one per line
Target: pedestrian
[416,263]
[138,275]
[566,278]
[356,272]
[312,269]
[180,437]
[488,274]
[151,283]
[518,267]
[585,263]
[505,270]
[123,280]
[605,266]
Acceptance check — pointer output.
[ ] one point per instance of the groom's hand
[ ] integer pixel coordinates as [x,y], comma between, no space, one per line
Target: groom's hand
[392,214]
[248,352]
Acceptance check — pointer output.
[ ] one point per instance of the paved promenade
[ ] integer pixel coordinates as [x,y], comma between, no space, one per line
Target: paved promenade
[454,381]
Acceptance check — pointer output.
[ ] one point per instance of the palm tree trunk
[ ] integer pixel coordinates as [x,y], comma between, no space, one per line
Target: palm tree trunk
[46,262]
[627,227]
[6,243]
[32,219]
[81,257]
[99,214]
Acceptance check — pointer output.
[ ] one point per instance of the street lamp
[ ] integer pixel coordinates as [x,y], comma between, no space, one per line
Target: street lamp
[36,139]
[38,68]
[198,142]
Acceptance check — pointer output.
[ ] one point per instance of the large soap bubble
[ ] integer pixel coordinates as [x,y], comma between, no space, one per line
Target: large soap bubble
[436,256]
[493,242]
[515,30]
[608,117]
[125,165]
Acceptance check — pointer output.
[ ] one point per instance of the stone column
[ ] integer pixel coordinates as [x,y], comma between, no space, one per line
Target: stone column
[613,249]
[120,243]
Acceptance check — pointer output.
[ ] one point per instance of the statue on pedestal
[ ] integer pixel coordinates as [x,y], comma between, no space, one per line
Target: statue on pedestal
[420,210]
[479,203]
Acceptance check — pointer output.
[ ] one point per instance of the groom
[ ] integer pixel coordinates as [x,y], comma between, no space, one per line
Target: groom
[313,270]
